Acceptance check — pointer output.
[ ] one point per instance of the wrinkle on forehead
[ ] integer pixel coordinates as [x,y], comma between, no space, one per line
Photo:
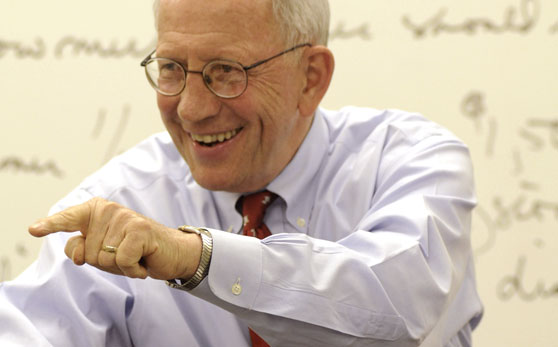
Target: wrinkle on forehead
[237,17]
[205,47]
[198,31]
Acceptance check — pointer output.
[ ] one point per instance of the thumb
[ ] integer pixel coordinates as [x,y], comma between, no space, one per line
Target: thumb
[71,219]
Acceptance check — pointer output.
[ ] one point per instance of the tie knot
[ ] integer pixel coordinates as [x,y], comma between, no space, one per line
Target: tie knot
[253,209]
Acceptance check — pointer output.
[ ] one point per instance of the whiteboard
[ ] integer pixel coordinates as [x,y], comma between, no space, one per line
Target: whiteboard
[73,95]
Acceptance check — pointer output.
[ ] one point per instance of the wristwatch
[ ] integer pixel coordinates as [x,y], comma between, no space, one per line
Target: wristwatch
[205,259]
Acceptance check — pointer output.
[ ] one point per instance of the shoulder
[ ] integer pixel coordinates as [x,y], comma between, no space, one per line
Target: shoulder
[354,128]
[154,161]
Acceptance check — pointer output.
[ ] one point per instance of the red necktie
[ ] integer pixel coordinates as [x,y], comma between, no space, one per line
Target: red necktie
[253,211]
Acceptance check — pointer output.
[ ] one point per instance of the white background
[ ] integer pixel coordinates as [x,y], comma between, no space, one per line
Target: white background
[73,95]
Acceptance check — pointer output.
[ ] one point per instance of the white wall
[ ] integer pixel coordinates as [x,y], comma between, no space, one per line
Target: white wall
[488,70]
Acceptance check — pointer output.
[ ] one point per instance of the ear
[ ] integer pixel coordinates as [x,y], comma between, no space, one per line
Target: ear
[318,69]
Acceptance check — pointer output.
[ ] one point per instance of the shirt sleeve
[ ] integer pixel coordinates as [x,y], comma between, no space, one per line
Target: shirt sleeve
[405,274]
[55,303]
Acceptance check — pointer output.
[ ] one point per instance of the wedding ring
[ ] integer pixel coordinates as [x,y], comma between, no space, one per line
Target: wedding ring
[109,249]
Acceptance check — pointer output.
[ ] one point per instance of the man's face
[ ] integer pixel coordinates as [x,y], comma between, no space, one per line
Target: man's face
[261,129]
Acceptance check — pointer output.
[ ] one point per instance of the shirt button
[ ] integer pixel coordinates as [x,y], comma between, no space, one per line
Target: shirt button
[237,288]
[301,222]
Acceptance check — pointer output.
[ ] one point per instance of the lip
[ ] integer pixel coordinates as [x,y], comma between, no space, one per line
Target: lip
[216,138]
[216,152]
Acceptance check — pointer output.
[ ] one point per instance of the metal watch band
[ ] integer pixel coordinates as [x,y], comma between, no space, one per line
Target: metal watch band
[205,259]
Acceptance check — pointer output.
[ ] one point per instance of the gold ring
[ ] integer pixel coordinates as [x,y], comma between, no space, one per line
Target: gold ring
[109,249]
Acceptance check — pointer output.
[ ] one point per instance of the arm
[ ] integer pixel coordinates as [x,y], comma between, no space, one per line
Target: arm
[401,274]
[144,247]
[51,303]
[395,275]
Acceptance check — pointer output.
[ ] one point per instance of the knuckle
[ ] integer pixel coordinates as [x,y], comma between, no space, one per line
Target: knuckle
[91,259]
[124,261]
[105,260]
[129,265]
[128,270]
[100,204]
[111,205]
[119,213]
[134,234]
[97,201]
[112,208]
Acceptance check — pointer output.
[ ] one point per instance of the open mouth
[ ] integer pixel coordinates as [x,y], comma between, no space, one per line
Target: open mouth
[215,139]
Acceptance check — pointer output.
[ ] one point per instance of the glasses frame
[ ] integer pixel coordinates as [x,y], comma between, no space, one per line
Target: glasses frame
[185,71]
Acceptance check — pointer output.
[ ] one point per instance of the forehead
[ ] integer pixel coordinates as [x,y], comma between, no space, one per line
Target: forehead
[222,21]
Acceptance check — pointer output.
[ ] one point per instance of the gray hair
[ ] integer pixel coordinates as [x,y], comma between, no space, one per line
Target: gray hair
[299,21]
[302,21]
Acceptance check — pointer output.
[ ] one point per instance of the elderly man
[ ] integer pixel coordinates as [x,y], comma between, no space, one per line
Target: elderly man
[365,240]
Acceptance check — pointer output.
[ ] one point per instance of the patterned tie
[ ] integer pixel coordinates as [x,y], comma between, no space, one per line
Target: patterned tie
[253,211]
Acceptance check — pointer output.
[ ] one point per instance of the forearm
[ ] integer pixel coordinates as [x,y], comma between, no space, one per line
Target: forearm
[55,303]
[397,273]
[326,291]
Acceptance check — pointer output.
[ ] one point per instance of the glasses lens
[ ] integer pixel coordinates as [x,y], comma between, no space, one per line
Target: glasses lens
[165,75]
[226,79]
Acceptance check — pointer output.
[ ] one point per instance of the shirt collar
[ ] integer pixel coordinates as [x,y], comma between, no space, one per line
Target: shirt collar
[294,183]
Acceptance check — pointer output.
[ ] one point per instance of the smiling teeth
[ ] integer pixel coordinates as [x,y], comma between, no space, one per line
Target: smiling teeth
[209,139]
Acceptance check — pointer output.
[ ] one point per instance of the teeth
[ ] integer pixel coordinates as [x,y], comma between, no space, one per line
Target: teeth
[209,139]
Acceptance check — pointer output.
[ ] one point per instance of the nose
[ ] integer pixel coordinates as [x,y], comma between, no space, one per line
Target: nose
[197,102]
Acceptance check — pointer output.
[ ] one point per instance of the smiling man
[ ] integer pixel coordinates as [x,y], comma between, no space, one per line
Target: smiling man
[361,217]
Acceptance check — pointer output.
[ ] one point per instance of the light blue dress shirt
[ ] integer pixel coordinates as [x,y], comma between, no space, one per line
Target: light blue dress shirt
[370,247]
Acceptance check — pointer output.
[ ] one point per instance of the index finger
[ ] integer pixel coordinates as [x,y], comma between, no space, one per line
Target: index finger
[71,219]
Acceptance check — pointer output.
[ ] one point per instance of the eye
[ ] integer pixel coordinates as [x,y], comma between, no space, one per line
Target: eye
[221,68]
[168,67]
[225,78]
[226,68]
[170,70]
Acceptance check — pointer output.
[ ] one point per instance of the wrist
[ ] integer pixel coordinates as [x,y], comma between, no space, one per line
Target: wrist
[195,273]
[190,252]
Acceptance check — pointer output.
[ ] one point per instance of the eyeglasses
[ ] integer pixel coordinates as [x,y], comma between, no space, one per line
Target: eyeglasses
[225,78]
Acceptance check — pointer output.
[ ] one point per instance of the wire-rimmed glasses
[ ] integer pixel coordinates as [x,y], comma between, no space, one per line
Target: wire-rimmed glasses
[225,78]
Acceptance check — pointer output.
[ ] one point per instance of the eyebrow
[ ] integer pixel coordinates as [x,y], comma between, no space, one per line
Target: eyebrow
[220,53]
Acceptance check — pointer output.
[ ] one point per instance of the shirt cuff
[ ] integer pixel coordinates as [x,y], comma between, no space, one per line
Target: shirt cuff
[235,273]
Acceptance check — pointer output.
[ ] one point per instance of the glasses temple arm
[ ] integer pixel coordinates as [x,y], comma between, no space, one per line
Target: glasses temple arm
[275,56]
[144,62]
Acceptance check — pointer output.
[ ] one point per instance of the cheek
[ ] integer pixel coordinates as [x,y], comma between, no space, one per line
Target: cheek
[167,106]
[277,95]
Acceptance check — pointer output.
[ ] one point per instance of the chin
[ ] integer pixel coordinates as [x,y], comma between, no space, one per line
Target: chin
[229,185]
[229,179]
[216,183]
